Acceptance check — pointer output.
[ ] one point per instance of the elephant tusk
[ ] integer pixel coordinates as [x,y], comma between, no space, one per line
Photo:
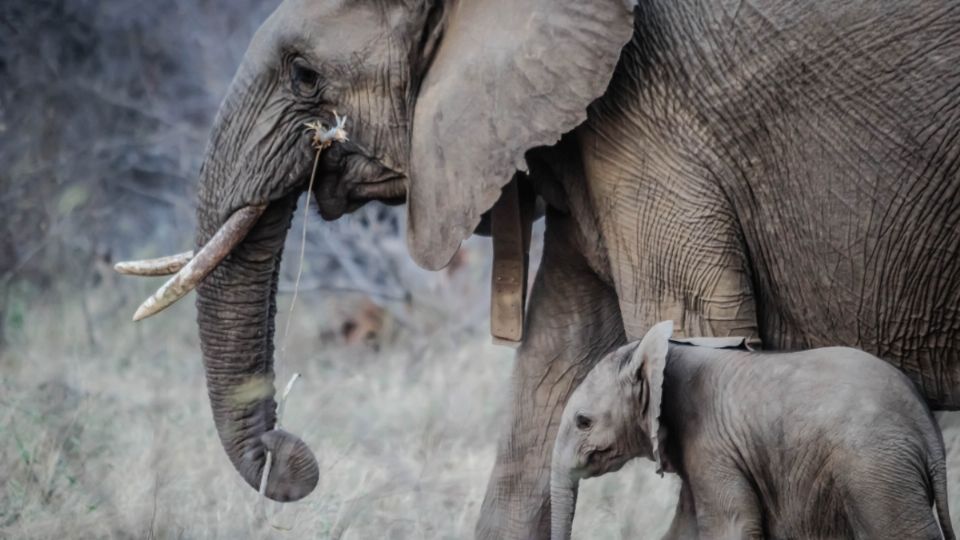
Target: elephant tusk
[231,233]
[192,269]
[161,266]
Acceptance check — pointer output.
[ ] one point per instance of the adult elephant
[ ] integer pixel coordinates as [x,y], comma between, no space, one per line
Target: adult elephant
[783,170]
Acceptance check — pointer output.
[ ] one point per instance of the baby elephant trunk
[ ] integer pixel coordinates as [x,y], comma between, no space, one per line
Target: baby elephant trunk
[563,499]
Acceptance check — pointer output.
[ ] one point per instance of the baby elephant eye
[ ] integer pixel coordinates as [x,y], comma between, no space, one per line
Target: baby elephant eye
[582,421]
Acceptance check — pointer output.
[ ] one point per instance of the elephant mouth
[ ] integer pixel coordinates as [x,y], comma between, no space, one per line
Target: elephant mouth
[348,178]
[391,189]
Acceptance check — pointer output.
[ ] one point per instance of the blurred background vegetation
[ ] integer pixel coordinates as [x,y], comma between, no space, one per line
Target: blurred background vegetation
[104,110]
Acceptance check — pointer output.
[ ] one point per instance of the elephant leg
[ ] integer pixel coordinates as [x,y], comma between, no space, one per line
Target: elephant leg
[674,241]
[573,320]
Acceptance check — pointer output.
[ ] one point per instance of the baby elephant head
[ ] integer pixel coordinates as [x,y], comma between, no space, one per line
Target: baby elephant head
[612,417]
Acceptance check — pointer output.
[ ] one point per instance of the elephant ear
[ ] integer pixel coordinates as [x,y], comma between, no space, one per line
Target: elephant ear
[645,367]
[509,75]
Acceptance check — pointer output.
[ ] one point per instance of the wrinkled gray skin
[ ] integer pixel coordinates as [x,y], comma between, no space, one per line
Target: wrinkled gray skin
[780,169]
[825,443]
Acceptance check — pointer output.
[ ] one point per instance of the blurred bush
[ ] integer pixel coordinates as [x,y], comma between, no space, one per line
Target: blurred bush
[104,111]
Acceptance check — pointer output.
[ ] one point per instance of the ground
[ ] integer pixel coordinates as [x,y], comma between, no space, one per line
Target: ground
[105,430]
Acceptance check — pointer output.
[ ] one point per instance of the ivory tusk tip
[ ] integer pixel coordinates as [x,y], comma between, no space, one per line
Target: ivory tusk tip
[142,313]
[190,270]
[161,266]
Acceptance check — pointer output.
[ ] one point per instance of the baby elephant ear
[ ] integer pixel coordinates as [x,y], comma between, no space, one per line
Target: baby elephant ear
[645,368]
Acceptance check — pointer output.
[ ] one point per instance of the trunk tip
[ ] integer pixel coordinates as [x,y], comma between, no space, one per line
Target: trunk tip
[294,472]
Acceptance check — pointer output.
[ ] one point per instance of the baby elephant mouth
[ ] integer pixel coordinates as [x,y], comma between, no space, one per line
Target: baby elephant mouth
[603,460]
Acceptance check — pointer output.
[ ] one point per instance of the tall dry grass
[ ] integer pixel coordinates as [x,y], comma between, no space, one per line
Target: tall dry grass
[105,430]
[111,436]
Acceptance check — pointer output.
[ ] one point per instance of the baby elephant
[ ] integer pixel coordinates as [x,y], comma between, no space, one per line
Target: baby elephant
[825,443]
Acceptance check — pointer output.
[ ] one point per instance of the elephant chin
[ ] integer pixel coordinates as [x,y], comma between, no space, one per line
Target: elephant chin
[236,308]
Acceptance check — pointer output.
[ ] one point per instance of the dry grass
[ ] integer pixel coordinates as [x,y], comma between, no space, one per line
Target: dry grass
[105,431]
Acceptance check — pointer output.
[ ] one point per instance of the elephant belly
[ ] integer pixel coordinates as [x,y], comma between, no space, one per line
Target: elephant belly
[847,249]
[923,343]
[823,167]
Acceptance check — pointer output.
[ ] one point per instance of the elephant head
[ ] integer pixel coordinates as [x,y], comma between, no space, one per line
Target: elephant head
[611,418]
[444,97]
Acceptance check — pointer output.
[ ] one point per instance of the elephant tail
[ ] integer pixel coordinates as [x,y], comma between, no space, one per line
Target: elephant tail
[938,479]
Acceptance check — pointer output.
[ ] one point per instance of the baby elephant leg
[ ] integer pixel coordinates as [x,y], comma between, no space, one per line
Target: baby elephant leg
[727,510]
[684,524]
[728,527]
[880,514]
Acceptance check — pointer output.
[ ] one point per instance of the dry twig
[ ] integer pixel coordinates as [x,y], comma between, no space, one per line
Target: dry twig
[322,139]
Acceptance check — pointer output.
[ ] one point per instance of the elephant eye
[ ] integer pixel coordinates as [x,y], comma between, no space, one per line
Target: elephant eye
[582,421]
[304,79]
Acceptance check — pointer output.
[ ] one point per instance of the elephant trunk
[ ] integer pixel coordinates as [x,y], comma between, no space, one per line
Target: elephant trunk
[563,499]
[236,306]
